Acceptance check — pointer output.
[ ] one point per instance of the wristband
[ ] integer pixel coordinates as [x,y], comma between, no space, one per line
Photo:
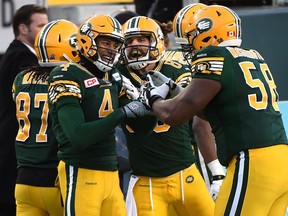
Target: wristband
[153,99]
[217,177]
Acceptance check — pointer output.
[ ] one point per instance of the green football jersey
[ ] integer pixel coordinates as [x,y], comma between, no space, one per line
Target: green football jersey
[175,55]
[36,145]
[178,55]
[93,103]
[166,149]
[245,113]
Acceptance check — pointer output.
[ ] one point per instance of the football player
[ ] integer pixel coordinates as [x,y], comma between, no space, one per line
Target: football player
[36,146]
[162,162]
[201,128]
[83,102]
[234,89]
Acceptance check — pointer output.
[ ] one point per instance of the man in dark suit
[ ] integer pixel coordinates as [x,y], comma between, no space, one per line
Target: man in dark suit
[27,22]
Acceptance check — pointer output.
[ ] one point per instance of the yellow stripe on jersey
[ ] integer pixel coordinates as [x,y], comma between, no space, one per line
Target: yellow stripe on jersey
[184,79]
[135,76]
[208,59]
[159,66]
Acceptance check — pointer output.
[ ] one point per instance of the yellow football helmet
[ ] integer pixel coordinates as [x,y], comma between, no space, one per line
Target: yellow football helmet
[180,21]
[144,26]
[99,26]
[214,25]
[55,44]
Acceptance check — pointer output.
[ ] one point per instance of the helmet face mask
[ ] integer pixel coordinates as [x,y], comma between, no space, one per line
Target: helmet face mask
[150,46]
[137,56]
[106,58]
[90,37]
[55,44]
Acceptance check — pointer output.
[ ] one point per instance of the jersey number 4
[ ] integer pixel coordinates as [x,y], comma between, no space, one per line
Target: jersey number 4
[254,102]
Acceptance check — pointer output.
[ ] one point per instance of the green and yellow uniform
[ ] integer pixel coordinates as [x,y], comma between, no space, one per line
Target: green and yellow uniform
[164,160]
[256,154]
[36,149]
[85,112]
[178,55]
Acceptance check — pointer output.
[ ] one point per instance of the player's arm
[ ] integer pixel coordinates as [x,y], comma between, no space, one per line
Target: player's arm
[141,125]
[204,139]
[188,103]
[83,134]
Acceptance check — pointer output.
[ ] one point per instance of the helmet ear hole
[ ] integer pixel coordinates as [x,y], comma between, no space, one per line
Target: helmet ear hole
[74,53]
[205,40]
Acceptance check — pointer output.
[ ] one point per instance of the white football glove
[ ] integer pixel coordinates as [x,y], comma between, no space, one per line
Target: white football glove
[149,93]
[158,79]
[215,186]
[136,109]
[218,175]
[131,90]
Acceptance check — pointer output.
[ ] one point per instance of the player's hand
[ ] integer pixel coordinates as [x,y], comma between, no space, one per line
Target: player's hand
[131,90]
[149,93]
[158,79]
[136,109]
[216,185]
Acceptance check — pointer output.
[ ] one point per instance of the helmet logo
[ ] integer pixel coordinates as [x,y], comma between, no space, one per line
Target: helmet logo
[73,40]
[85,28]
[204,25]
[160,34]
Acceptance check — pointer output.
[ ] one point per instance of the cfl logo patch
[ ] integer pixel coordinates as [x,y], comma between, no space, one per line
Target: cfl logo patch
[91,82]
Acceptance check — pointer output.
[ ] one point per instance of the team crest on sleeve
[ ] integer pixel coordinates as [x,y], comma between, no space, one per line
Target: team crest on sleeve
[202,66]
[65,88]
[208,65]
[91,82]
